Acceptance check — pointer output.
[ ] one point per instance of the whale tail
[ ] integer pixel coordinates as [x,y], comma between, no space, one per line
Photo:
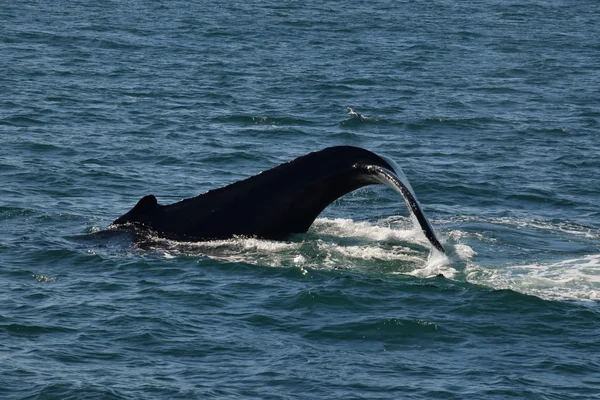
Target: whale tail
[278,202]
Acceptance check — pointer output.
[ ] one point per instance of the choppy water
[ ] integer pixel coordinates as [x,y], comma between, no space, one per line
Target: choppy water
[491,108]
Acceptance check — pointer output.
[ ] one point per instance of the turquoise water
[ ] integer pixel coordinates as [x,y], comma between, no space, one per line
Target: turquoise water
[492,110]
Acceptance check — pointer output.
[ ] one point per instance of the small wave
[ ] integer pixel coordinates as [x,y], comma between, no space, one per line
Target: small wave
[21,121]
[473,123]
[389,329]
[230,157]
[7,212]
[568,227]
[34,330]
[262,120]
[46,389]
[353,122]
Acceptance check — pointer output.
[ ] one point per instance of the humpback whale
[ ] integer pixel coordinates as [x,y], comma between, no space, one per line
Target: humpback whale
[278,202]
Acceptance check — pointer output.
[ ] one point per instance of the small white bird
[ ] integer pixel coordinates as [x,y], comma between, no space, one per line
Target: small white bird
[355,115]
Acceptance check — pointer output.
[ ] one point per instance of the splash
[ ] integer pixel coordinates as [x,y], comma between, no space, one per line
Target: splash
[437,264]
[329,245]
[392,228]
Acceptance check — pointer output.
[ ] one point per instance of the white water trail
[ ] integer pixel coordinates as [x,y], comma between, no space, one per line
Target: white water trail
[331,244]
[572,279]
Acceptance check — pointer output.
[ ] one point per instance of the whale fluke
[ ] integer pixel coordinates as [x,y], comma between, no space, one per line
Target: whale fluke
[278,202]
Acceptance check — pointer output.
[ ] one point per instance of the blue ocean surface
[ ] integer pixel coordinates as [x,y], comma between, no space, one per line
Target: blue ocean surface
[491,108]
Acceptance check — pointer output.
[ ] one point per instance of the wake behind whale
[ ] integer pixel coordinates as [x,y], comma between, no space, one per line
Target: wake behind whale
[276,203]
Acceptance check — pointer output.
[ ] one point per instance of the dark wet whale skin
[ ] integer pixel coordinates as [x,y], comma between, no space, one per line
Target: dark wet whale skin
[275,203]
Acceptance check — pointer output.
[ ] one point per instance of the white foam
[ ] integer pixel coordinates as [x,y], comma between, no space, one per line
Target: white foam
[329,250]
[246,250]
[299,259]
[44,278]
[404,230]
[570,228]
[374,253]
[464,252]
[572,279]
[394,242]
[437,264]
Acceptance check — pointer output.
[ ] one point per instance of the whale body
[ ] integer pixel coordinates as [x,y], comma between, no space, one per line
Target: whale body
[278,202]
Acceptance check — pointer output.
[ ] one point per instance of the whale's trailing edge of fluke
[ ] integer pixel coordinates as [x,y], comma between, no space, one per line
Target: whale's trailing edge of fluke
[278,202]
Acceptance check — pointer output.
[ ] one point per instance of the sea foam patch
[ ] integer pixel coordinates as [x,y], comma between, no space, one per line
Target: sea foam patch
[572,279]
[332,244]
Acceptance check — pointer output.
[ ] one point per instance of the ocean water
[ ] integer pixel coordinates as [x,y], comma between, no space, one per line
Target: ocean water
[491,108]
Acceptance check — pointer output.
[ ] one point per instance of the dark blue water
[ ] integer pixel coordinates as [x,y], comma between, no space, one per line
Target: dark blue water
[491,108]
